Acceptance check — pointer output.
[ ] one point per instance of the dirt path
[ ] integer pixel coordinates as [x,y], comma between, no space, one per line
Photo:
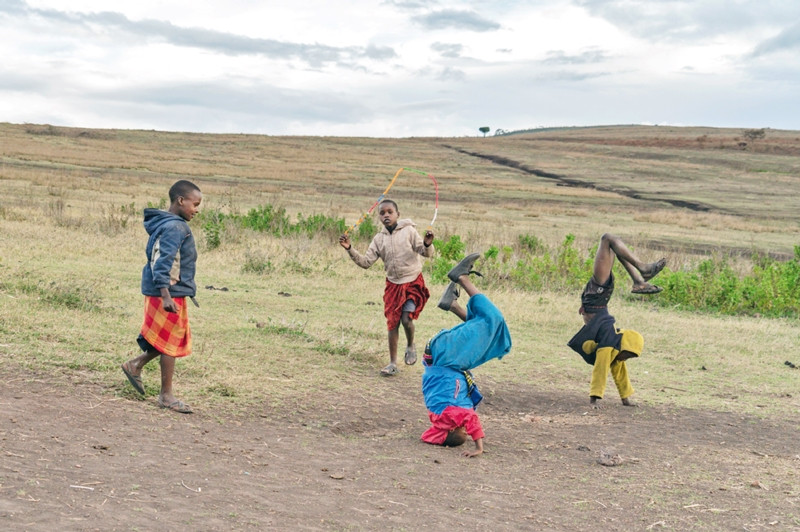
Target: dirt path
[74,457]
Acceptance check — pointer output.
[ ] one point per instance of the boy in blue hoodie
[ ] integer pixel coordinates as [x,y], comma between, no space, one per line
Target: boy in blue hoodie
[451,395]
[167,280]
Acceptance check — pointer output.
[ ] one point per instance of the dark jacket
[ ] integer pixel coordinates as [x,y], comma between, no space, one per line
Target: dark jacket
[598,333]
[171,255]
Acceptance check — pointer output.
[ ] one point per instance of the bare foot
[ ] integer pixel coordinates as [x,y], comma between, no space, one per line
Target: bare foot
[628,402]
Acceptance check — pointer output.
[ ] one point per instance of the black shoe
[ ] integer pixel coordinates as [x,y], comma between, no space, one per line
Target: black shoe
[464,267]
[451,293]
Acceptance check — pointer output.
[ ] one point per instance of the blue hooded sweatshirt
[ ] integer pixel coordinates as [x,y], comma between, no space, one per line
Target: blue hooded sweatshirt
[171,255]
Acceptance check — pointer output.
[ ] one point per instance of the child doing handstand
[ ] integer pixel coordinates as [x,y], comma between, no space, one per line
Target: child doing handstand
[399,245]
[451,395]
[167,280]
[599,341]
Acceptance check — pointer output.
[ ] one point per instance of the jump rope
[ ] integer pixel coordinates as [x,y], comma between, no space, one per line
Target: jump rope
[391,183]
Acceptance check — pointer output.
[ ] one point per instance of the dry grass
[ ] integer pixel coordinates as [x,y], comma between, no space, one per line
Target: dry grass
[70,220]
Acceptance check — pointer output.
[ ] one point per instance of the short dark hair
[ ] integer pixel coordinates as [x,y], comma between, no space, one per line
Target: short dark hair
[181,188]
[387,200]
[455,437]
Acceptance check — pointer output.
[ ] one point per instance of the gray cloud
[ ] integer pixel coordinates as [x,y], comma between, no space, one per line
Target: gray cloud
[673,20]
[409,4]
[451,51]
[450,74]
[570,75]
[315,55]
[558,57]
[21,82]
[451,18]
[258,100]
[788,39]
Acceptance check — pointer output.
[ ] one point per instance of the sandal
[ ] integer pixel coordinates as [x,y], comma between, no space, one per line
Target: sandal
[389,370]
[135,380]
[176,406]
[654,270]
[451,294]
[647,289]
[411,355]
[464,267]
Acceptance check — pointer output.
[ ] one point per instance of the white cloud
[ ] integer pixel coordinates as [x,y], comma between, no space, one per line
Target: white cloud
[395,67]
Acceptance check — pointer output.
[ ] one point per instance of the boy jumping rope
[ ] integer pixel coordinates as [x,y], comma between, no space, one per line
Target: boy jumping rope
[599,341]
[167,280]
[399,245]
[451,395]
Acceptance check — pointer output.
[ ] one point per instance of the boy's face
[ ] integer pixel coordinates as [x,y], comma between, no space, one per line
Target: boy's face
[625,355]
[189,205]
[388,214]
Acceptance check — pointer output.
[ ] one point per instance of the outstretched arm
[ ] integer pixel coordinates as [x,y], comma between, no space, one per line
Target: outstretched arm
[364,261]
[478,449]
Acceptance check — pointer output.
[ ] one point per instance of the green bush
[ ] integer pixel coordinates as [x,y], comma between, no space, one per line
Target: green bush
[213,223]
[531,243]
[319,224]
[366,230]
[267,219]
[448,253]
[772,288]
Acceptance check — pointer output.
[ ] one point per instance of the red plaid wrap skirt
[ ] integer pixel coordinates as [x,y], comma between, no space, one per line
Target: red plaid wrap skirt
[167,332]
[396,295]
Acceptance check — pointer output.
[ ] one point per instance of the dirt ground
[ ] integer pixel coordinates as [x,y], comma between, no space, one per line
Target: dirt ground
[76,456]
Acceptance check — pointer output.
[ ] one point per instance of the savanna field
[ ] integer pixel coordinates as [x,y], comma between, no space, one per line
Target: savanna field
[293,426]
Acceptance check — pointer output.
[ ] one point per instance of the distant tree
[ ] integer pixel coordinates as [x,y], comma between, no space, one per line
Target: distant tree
[754,134]
[499,131]
[484,130]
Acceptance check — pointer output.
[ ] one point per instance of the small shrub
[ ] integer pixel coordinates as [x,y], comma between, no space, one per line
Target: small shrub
[267,219]
[452,249]
[531,244]
[366,230]
[447,254]
[319,224]
[213,227]
[161,205]
[256,262]
[116,219]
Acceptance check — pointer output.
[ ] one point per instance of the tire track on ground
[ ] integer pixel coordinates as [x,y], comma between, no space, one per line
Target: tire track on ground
[571,182]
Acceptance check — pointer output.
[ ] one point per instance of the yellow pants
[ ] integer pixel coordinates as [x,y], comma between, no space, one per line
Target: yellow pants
[619,372]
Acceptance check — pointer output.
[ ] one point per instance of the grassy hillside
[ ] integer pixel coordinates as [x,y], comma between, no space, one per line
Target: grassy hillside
[73,248]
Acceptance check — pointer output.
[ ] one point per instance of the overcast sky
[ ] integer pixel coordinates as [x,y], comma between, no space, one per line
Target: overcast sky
[398,68]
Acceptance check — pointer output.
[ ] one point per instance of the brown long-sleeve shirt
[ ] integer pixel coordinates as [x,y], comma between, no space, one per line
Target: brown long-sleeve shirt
[399,250]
